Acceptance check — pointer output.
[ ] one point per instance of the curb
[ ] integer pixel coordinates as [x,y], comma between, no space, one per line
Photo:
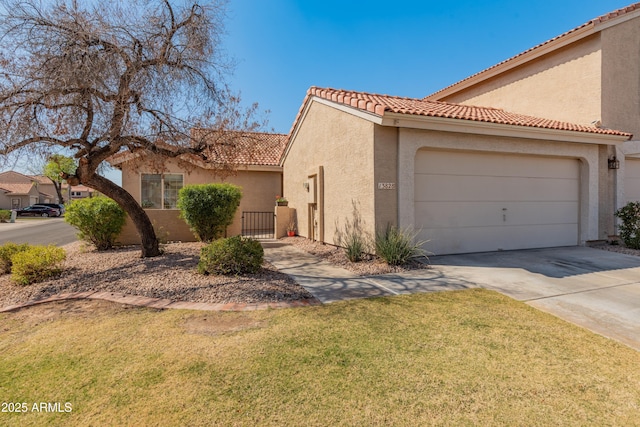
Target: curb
[161,304]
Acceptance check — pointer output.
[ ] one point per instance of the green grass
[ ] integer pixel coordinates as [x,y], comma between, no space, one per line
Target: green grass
[459,358]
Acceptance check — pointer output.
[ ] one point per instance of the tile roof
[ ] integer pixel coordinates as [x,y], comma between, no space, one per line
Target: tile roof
[235,147]
[81,188]
[16,188]
[381,104]
[592,23]
[252,148]
[40,179]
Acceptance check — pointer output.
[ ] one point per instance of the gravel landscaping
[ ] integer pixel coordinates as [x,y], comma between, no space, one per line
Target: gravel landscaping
[172,276]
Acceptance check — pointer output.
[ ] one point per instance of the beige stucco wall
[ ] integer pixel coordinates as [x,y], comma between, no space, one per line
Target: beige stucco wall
[259,191]
[621,77]
[342,145]
[25,200]
[563,85]
[412,140]
[386,176]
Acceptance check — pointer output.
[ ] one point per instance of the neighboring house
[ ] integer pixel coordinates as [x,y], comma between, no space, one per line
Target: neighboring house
[469,179]
[20,191]
[18,195]
[257,171]
[48,190]
[78,191]
[589,75]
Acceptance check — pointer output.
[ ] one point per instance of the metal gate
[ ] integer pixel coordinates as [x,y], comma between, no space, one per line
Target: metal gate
[259,225]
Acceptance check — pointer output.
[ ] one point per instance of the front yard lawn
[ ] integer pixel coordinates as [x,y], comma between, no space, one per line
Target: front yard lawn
[457,358]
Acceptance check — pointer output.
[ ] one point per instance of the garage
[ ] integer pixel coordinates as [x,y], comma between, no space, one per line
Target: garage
[477,201]
[632,180]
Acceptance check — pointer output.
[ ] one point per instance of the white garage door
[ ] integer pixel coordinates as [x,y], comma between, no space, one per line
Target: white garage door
[476,202]
[632,180]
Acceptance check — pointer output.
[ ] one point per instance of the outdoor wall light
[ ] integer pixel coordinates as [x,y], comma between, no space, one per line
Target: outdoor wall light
[614,163]
[306,185]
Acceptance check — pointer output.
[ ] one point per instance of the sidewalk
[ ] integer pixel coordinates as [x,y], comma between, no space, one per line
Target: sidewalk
[324,281]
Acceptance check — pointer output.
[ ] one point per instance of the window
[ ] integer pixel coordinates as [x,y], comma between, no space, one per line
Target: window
[160,191]
[76,193]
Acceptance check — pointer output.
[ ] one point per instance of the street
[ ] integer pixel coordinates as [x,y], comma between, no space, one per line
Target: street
[38,231]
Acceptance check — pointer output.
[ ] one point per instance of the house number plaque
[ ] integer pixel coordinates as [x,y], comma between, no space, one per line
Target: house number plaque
[386,186]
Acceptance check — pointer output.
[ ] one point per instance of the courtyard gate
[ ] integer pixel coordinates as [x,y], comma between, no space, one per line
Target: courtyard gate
[258,225]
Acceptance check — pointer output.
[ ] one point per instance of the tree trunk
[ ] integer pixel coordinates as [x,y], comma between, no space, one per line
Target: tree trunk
[150,246]
[58,186]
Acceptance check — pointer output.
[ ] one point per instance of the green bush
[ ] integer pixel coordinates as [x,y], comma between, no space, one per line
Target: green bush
[629,228]
[397,246]
[36,264]
[8,250]
[98,219]
[209,208]
[233,255]
[5,215]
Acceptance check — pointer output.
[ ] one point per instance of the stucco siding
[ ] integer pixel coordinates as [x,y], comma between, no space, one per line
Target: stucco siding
[564,85]
[336,148]
[386,176]
[621,77]
[259,190]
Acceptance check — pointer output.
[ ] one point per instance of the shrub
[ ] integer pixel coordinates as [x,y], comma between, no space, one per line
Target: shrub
[354,245]
[5,215]
[98,219]
[352,238]
[8,250]
[397,246]
[209,208]
[629,227]
[36,263]
[233,255]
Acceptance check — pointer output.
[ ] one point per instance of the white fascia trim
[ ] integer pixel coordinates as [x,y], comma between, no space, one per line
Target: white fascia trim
[517,61]
[497,129]
[350,110]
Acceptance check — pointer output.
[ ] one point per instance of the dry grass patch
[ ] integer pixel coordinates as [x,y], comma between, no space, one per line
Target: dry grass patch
[459,358]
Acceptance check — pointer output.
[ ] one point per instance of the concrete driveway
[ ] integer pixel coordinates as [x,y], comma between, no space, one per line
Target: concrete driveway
[592,288]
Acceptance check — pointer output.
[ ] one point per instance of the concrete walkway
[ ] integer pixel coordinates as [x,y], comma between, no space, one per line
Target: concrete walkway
[329,283]
[324,281]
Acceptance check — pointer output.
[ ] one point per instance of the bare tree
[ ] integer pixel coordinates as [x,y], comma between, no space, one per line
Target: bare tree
[100,78]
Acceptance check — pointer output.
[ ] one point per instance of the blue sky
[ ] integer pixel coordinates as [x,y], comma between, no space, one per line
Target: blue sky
[406,48]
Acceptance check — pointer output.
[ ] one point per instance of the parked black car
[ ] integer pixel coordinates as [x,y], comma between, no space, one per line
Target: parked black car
[35,210]
[58,206]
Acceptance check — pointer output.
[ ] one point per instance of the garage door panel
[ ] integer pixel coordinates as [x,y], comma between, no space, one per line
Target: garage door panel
[486,239]
[474,202]
[460,214]
[484,164]
[457,188]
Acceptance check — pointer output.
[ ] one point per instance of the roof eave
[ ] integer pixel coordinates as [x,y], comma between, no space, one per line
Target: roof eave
[499,129]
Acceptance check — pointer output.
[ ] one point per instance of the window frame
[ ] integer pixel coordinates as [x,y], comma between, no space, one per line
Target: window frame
[162,190]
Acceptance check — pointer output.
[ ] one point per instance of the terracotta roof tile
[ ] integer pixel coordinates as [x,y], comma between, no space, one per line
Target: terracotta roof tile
[380,104]
[16,188]
[591,23]
[238,148]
